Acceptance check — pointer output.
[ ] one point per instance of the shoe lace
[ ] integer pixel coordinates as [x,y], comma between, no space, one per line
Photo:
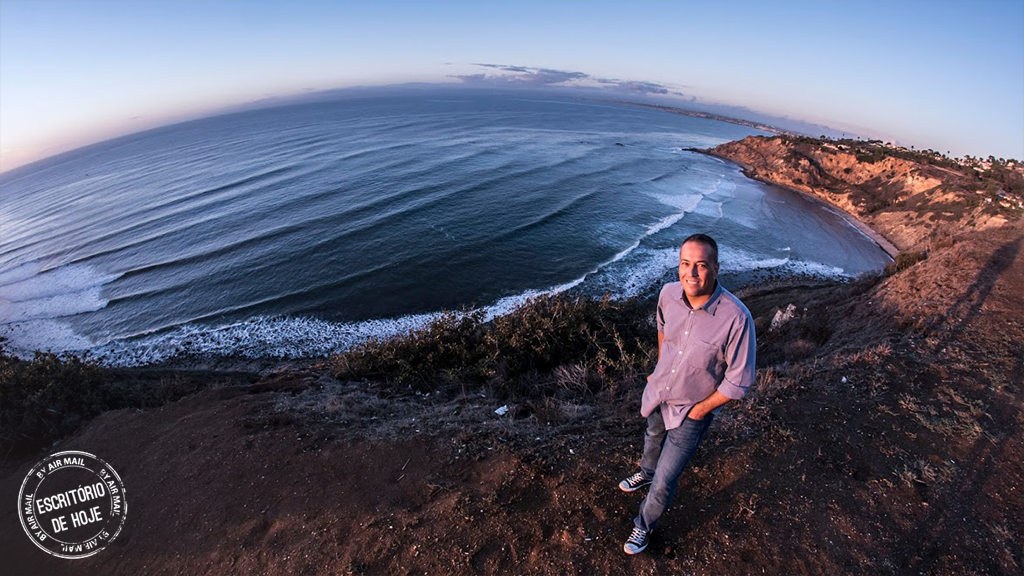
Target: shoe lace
[637,536]
[636,478]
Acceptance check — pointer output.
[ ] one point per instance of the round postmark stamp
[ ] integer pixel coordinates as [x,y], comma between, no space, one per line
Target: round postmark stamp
[72,504]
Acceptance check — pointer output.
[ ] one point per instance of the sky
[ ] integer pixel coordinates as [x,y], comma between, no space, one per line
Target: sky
[946,75]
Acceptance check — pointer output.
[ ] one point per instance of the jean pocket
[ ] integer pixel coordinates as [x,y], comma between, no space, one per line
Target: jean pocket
[689,434]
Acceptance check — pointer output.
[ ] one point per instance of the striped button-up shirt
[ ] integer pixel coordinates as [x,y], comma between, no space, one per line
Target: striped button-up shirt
[705,349]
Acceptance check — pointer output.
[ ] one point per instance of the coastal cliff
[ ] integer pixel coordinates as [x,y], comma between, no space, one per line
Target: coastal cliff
[883,434]
[912,201]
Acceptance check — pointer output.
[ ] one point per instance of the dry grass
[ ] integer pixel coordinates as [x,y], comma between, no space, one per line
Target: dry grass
[927,474]
[947,413]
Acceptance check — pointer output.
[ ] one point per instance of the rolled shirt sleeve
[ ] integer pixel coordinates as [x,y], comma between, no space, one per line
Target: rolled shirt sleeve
[704,349]
[740,360]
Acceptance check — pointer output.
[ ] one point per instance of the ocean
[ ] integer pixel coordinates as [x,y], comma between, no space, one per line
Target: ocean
[304,229]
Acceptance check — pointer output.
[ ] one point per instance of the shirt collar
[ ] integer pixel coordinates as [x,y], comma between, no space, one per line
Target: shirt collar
[711,306]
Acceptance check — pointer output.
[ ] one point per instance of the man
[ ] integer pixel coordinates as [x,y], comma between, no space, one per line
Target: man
[705,359]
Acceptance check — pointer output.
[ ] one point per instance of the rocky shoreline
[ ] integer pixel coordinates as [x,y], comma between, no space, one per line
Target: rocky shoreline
[882,242]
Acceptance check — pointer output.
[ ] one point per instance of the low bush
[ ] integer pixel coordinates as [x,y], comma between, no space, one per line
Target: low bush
[904,260]
[590,342]
[51,395]
[48,396]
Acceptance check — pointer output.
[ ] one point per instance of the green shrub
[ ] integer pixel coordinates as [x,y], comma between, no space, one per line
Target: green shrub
[904,260]
[52,395]
[605,337]
[450,345]
[47,396]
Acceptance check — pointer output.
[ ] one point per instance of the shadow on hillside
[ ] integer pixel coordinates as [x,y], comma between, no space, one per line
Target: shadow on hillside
[966,309]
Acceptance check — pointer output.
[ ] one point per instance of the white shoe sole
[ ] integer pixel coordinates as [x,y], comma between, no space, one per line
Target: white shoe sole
[625,487]
[632,550]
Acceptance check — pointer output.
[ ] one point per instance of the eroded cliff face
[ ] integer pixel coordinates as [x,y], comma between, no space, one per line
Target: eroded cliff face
[909,203]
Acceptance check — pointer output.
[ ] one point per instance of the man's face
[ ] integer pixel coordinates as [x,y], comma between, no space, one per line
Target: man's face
[697,269]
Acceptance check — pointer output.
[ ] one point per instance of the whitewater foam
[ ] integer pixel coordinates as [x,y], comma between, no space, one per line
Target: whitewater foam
[738,260]
[29,282]
[257,337]
[49,307]
[62,291]
[652,264]
[509,304]
[32,302]
[710,209]
[24,338]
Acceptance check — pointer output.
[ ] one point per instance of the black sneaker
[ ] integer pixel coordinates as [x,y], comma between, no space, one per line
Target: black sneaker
[634,482]
[637,541]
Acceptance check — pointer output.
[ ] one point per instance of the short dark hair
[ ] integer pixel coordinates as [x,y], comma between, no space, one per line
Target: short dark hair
[705,240]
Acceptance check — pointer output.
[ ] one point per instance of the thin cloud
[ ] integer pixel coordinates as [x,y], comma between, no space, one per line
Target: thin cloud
[521,75]
[505,67]
[641,87]
[515,75]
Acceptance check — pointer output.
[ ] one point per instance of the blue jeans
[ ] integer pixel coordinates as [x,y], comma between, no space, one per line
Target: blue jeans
[666,454]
